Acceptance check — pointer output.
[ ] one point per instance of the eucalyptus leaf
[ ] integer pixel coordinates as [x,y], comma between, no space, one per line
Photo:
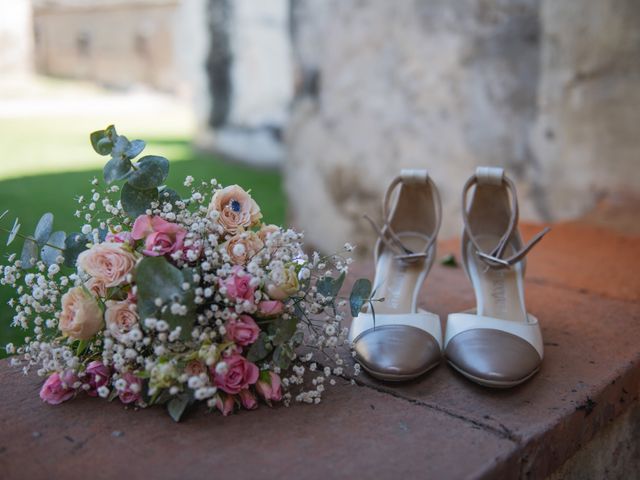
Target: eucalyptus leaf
[449,260]
[30,253]
[177,406]
[150,171]
[116,169]
[157,278]
[360,293]
[120,146]
[101,142]
[44,229]
[136,202]
[135,148]
[168,195]
[259,349]
[54,248]
[284,330]
[14,232]
[329,286]
[74,245]
[282,356]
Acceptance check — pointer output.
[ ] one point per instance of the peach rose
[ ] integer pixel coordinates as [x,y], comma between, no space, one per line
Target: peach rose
[267,230]
[236,209]
[195,368]
[96,287]
[243,246]
[288,286]
[108,263]
[120,318]
[81,317]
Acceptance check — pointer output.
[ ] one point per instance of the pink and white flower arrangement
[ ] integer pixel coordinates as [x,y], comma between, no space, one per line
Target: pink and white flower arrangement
[161,299]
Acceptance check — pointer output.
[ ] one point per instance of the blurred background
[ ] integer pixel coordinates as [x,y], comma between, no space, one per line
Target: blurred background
[316,104]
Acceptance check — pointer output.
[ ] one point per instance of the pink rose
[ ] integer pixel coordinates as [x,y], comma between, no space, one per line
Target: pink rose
[248,399]
[122,237]
[242,330]
[270,308]
[98,375]
[108,263]
[133,391]
[160,237]
[269,387]
[236,209]
[58,388]
[120,318]
[226,404]
[238,286]
[238,374]
[81,317]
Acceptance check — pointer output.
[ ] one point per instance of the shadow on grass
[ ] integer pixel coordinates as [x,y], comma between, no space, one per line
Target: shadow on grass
[29,197]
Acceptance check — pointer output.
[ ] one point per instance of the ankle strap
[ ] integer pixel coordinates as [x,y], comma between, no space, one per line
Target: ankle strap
[494,259]
[387,235]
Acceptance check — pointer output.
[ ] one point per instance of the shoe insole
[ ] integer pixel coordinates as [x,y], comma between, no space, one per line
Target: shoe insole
[499,292]
[396,280]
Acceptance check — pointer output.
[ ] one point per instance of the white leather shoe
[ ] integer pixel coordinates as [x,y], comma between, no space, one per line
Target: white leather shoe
[400,342]
[498,344]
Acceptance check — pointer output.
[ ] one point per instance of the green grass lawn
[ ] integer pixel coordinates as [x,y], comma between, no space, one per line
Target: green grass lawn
[44,165]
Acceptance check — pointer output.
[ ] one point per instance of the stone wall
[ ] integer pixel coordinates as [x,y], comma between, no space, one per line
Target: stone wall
[113,42]
[546,89]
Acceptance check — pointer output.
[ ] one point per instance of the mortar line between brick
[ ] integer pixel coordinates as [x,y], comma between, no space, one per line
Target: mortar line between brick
[504,432]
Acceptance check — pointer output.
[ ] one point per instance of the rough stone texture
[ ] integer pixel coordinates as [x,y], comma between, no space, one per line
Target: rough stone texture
[546,89]
[586,136]
[614,453]
[439,426]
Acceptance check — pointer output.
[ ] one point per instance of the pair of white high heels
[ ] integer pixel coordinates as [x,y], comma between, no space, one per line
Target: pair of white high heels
[497,344]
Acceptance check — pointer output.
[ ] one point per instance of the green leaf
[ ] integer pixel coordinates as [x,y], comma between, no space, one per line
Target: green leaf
[44,229]
[136,202]
[177,406]
[49,253]
[116,169]
[282,356]
[157,278]
[120,146]
[82,347]
[449,261]
[284,330]
[151,171]
[168,195]
[101,142]
[74,245]
[260,348]
[30,253]
[360,293]
[329,286]
[135,148]
[3,214]
[14,232]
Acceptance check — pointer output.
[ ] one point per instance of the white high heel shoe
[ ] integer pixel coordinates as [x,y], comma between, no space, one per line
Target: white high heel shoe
[498,344]
[401,342]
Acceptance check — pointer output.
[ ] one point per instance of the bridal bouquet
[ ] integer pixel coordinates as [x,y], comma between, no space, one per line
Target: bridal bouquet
[160,299]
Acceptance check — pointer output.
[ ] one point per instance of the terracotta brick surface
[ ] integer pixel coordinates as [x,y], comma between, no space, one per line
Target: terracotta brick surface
[581,283]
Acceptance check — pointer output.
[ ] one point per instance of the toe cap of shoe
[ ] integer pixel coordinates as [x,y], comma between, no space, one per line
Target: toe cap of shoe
[397,351]
[493,355]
